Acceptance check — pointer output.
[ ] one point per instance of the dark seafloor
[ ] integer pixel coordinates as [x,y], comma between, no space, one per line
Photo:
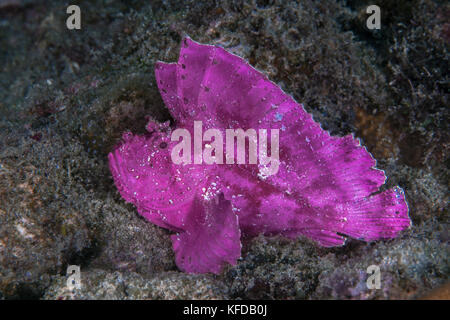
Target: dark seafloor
[66,96]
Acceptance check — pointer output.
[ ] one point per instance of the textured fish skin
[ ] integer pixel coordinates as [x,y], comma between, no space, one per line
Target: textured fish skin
[326,187]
